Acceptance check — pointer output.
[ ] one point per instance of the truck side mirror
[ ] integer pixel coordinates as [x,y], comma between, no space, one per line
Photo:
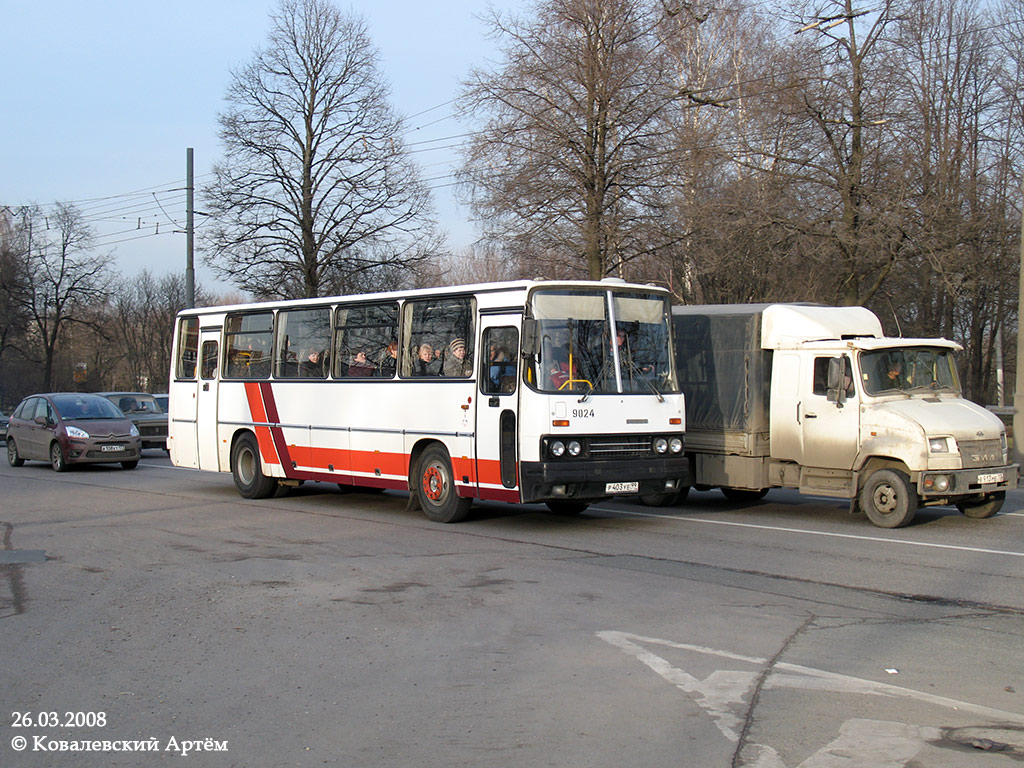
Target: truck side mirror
[838,373]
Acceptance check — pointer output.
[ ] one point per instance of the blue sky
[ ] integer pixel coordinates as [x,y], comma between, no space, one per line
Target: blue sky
[102,99]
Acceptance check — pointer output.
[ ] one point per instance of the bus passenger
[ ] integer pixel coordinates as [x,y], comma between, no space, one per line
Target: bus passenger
[360,365]
[425,364]
[389,360]
[455,364]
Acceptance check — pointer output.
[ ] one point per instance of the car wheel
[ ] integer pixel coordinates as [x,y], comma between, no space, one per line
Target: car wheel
[130,464]
[888,499]
[435,487]
[57,460]
[987,507]
[247,470]
[13,458]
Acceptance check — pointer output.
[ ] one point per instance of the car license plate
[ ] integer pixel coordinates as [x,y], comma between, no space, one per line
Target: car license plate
[995,477]
[111,448]
[622,487]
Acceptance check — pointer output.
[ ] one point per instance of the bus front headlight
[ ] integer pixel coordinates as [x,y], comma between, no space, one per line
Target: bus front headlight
[557,448]
[675,445]
[660,445]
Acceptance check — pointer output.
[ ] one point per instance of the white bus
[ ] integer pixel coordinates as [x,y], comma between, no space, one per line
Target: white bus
[562,392]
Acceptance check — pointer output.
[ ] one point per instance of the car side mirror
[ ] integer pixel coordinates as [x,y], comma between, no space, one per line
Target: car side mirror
[40,420]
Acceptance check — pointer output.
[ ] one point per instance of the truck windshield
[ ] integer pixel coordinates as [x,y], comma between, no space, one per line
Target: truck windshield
[907,369]
[602,342]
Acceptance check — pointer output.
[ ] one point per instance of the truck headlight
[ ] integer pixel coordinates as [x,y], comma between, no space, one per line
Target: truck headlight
[938,483]
[938,445]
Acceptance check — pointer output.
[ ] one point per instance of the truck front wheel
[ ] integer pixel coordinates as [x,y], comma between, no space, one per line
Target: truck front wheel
[987,506]
[888,499]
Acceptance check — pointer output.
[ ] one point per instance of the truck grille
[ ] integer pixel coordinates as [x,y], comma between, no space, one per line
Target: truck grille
[981,453]
[621,445]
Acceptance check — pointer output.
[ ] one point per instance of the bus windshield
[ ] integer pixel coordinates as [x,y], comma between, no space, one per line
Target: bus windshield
[602,342]
[886,371]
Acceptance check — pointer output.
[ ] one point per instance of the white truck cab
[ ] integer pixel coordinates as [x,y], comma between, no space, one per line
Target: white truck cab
[816,398]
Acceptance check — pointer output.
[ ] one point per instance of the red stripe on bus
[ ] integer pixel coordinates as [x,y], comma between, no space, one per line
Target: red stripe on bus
[259,415]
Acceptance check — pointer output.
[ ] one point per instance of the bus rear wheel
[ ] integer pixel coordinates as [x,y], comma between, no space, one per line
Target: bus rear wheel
[435,487]
[247,470]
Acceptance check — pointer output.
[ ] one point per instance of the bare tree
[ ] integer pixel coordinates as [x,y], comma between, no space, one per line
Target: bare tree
[316,190]
[64,278]
[569,161]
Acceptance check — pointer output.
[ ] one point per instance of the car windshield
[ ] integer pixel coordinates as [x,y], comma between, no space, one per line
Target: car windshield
[602,342]
[139,403]
[85,407]
[907,369]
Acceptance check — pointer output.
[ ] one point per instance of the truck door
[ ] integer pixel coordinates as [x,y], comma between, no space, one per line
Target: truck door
[497,407]
[831,430]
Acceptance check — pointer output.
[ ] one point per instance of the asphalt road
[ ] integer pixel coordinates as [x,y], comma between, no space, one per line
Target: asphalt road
[142,611]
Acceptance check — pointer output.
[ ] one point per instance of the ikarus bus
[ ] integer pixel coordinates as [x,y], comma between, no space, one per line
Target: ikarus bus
[561,392]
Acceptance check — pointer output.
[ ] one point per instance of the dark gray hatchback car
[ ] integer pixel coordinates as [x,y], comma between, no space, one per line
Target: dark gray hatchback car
[65,428]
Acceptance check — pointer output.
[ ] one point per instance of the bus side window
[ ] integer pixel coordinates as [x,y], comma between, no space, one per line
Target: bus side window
[209,367]
[188,347]
[437,336]
[501,353]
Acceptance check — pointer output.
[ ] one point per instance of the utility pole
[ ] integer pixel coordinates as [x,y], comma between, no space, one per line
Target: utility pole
[1018,392]
[190,268]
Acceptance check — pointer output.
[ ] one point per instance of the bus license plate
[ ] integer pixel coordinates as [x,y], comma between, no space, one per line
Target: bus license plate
[622,487]
[111,448]
[995,477]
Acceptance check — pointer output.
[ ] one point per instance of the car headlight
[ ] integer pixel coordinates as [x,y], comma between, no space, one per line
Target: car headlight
[938,444]
[675,445]
[76,433]
[134,431]
[660,445]
[557,448]
[575,448]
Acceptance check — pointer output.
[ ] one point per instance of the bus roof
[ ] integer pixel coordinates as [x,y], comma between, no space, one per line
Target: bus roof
[507,286]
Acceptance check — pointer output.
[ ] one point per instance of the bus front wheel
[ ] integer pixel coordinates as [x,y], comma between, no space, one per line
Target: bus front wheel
[247,470]
[435,487]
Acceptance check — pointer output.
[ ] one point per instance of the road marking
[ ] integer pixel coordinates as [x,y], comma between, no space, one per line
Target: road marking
[781,529]
[723,695]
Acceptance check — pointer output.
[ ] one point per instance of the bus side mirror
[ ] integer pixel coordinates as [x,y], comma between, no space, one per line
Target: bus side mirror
[838,375]
[529,341]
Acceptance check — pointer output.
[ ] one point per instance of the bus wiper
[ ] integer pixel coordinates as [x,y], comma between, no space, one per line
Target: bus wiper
[650,384]
[598,378]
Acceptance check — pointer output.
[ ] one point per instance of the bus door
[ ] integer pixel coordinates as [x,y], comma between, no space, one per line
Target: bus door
[207,427]
[497,407]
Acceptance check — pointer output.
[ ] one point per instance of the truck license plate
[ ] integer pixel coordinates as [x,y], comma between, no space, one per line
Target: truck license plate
[111,448]
[995,477]
[622,487]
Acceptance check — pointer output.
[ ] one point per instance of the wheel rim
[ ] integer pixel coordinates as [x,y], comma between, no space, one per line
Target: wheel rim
[885,499]
[55,456]
[12,452]
[434,484]
[246,466]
